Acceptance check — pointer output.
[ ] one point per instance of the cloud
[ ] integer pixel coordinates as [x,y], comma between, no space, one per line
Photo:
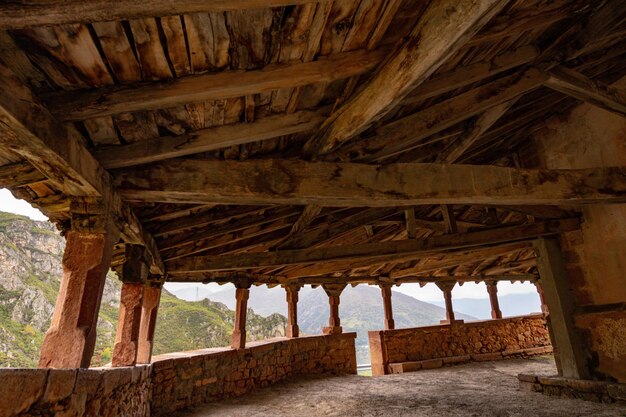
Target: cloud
[10,204]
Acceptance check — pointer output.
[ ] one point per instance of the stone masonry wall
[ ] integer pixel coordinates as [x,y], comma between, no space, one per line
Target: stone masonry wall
[483,340]
[171,382]
[183,380]
[99,392]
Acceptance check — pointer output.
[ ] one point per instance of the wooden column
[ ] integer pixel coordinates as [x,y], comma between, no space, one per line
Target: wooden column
[492,289]
[149,312]
[386,293]
[133,273]
[239,330]
[566,341]
[71,339]
[292,310]
[334,323]
[544,306]
[447,287]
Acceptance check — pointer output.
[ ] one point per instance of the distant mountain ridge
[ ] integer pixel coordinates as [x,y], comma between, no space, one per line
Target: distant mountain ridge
[30,273]
[510,305]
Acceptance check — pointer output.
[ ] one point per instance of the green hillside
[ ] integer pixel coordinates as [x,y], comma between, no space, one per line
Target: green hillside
[30,271]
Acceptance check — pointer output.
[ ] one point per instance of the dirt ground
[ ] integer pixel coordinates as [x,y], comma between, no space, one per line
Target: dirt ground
[478,389]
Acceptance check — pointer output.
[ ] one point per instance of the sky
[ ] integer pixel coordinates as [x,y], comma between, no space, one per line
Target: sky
[429,292]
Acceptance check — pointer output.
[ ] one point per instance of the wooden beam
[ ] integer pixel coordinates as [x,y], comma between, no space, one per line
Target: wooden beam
[19,174]
[28,129]
[81,105]
[295,182]
[575,84]
[372,252]
[484,122]
[204,140]
[443,29]
[411,225]
[309,213]
[24,13]
[449,220]
[395,137]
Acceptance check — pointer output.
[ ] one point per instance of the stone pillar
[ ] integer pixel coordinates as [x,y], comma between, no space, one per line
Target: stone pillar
[71,339]
[566,341]
[133,273]
[292,310]
[239,329]
[149,312]
[447,287]
[492,289]
[386,293]
[544,306]
[334,292]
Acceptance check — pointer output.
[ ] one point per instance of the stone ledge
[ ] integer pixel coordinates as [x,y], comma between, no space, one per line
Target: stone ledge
[412,366]
[598,391]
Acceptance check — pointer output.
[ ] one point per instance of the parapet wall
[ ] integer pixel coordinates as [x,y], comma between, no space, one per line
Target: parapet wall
[183,380]
[430,347]
[76,392]
[173,381]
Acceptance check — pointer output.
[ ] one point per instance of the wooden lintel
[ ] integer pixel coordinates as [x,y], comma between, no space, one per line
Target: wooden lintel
[372,251]
[295,182]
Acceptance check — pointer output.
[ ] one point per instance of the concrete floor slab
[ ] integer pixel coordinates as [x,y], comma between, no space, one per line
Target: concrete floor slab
[475,389]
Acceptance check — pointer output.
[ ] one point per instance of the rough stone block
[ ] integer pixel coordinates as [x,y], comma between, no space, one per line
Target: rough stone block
[480,357]
[432,364]
[60,384]
[457,359]
[20,388]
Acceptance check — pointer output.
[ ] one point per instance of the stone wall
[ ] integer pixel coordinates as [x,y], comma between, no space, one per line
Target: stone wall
[434,346]
[76,392]
[595,256]
[173,381]
[183,380]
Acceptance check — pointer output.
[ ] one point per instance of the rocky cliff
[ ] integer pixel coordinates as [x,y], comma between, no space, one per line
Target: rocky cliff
[30,272]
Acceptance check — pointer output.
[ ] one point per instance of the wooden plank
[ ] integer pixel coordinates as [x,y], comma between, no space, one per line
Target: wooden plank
[25,13]
[443,29]
[29,130]
[371,252]
[204,140]
[228,84]
[309,213]
[575,84]
[411,225]
[294,182]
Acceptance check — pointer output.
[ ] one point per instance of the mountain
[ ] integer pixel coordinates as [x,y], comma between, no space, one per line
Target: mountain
[195,293]
[361,310]
[510,305]
[30,272]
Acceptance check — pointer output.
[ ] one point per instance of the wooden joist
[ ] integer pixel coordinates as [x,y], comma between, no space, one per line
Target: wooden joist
[24,13]
[396,136]
[372,252]
[81,105]
[205,140]
[443,29]
[28,129]
[575,84]
[294,182]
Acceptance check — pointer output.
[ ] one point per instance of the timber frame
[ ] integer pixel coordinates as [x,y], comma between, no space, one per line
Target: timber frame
[293,142]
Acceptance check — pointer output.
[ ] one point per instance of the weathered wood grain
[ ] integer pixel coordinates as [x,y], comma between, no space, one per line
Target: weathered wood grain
[358,185]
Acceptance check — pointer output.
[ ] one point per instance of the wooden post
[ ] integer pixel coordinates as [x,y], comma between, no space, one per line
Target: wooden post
[544,306]
[71,339]
[334,292]
[386,293]
[492,289]
[239,329]
[133,273]
[566,342]
[292,310]
[149,311]
[447,287]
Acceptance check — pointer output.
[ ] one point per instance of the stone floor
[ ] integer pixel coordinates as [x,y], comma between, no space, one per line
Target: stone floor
[477,389]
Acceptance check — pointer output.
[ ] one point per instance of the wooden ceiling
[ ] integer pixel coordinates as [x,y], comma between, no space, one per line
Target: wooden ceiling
[309,142]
